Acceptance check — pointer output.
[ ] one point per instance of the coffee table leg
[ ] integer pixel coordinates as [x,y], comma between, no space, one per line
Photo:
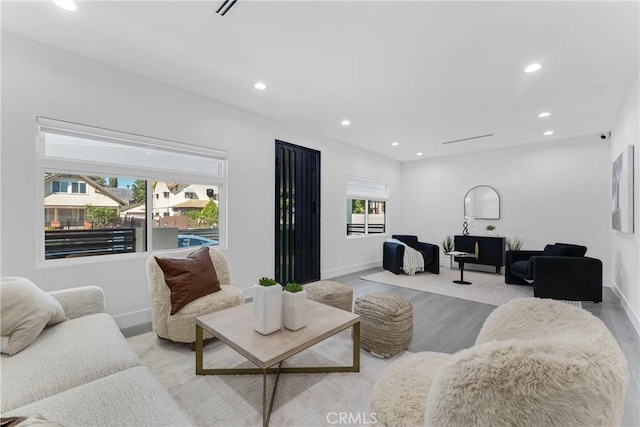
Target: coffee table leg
[266,415]
[265,421]
[199,346]
[356,347]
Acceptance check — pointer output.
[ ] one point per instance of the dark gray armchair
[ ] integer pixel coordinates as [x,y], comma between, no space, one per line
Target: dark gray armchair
[393,254]
[560,271]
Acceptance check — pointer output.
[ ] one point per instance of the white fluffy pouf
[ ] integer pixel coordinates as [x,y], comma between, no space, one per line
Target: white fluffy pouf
[398,398]
[536,362]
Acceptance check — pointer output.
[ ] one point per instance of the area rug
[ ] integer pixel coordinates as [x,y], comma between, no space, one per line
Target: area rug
[236,400]
[487,288]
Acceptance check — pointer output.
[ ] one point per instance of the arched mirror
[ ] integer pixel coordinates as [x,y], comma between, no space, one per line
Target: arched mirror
[482,202]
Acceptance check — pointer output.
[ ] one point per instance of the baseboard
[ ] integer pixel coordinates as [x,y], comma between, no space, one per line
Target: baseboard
[631,314]
[327,274]
[134,318]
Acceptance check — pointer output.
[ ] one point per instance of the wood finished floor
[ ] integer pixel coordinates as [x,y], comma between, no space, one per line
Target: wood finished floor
[447,325]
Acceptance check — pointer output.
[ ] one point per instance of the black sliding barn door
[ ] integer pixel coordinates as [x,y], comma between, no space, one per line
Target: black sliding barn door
[297,220]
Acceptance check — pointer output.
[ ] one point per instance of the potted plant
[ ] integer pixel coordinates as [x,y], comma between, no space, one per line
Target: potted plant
[267,306]
[515,244]
[447,245]
[294,306]
[490,228]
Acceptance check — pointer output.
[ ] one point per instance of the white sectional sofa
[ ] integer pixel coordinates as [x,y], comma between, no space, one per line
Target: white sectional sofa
[82,372]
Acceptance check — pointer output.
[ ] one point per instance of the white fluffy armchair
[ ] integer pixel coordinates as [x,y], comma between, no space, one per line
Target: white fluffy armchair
[536,362]
[181,327]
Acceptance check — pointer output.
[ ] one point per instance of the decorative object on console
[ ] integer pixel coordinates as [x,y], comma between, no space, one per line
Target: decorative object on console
[393,254]
[490,229]
[267,306]
[488,250]
[622,196]
[465,228]
[560,271]
[294,306]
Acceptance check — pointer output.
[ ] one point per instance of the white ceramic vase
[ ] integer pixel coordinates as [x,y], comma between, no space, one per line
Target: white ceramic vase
[294,309]
[267,308]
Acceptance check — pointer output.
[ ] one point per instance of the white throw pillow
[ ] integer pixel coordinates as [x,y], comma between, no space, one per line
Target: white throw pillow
[25,310]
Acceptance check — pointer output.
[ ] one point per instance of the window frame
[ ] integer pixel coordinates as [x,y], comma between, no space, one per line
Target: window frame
[46,163]
[368,190]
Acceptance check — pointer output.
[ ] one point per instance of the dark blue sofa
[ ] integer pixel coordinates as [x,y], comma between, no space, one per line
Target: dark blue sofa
[560,271]
[393,254]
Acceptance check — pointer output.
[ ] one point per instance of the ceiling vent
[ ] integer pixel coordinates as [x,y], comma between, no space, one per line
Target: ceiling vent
[222,10]
[467,139]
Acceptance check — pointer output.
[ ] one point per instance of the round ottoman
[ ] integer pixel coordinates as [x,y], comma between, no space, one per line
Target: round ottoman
[386,323]
[331,293]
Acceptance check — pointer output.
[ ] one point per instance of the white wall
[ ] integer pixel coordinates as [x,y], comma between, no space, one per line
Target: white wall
[555,191]
[40,81]
[625,252]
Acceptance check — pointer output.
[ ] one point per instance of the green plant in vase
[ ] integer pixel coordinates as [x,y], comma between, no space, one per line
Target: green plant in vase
[267,281]
[515,244]
[292,287]
[294,306]
[447,244]
[490,228]
[267,306]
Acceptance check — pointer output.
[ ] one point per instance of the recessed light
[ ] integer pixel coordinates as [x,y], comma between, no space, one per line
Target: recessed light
[419,154]
[260,86]
[345,123]
[545,114]
[532,68]
[547,133]
[69,5]
[395,143]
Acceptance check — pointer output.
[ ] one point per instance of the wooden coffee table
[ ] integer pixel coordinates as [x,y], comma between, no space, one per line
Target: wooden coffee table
[234,327]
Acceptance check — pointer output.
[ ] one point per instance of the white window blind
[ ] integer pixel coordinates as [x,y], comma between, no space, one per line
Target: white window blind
[78,146]
[367,189]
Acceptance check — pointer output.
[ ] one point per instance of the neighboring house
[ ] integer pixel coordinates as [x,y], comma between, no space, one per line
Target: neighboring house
[136,211]
[66,198]
[172,199]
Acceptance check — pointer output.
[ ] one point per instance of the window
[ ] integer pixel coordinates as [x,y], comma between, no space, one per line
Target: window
[366,206]
[108,192]
[68,187]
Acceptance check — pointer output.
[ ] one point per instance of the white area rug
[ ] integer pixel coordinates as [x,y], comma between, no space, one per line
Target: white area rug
[236,400]
[487,288]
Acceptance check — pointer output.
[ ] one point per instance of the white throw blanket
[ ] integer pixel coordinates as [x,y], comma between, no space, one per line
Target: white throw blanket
[412,261]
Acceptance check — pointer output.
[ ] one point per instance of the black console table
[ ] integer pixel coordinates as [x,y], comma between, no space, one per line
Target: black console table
[490,249]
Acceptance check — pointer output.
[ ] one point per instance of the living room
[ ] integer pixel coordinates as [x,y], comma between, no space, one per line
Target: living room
[552,190]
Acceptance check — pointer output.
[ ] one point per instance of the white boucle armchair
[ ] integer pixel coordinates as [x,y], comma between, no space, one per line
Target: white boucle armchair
[181,327]
[536,362]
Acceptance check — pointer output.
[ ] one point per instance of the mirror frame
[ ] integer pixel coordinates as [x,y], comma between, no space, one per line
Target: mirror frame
[479,217]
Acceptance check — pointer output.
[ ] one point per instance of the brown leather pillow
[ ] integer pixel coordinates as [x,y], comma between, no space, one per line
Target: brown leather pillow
[189,278]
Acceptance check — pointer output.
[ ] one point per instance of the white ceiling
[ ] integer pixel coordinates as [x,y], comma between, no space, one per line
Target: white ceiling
[416,72]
